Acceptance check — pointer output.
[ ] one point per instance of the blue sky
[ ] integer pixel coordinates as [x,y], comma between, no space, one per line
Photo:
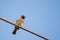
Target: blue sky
[42,17]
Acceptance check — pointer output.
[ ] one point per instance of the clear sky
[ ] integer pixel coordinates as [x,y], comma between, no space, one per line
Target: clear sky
[42,17]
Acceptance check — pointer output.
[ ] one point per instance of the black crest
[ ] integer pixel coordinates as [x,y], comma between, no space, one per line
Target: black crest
[23,16]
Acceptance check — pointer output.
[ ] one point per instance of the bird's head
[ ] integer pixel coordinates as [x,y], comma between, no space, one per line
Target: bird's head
[23,16]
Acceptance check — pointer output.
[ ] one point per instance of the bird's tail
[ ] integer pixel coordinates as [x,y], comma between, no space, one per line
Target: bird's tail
[14,32]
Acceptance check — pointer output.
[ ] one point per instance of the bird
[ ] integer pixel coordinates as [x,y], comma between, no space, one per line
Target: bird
[19,23]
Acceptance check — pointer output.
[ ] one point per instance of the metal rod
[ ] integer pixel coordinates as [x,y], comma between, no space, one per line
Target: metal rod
[23,28]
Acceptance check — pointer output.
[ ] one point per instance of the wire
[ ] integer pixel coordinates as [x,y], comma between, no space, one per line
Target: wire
[23,28]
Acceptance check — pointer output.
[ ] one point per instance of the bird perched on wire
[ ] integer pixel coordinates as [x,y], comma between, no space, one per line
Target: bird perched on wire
[19,23]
